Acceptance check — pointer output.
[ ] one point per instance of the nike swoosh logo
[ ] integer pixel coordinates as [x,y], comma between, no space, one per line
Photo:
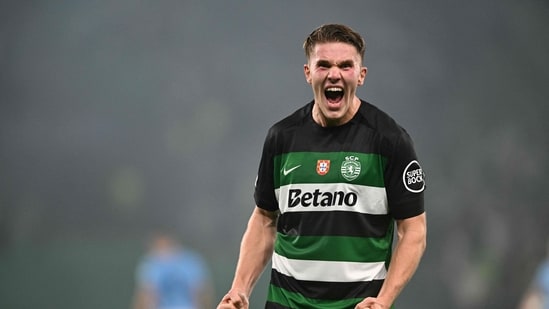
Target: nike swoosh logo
[287,171]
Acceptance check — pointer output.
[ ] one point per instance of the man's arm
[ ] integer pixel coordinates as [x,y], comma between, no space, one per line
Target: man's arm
[205,296]
[412,240]
[256,250]
[533,298]
[143,298]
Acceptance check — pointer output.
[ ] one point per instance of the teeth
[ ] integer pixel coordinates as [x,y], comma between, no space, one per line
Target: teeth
[334,89]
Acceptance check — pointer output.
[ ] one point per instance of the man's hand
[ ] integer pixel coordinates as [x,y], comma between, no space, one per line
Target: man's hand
[371,303]
[234,300]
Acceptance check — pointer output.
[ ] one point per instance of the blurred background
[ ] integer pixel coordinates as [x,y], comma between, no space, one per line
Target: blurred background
[120,116]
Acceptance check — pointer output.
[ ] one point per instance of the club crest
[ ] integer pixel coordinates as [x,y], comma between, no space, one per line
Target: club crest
[350,168]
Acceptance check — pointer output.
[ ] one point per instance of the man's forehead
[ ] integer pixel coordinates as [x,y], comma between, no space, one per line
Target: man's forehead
[335,51]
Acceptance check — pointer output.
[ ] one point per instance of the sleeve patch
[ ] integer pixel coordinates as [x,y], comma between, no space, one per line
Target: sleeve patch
[413,177]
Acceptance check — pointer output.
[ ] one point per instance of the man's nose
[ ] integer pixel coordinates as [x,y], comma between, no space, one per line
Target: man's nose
[334,74]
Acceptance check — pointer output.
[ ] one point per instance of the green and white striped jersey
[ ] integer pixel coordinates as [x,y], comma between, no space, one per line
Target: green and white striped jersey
[338,190]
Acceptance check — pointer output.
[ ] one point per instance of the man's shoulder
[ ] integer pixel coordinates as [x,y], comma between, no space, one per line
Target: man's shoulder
[379,120]
[295,119]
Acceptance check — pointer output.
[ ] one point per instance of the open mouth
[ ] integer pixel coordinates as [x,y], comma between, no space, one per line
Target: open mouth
[334,94]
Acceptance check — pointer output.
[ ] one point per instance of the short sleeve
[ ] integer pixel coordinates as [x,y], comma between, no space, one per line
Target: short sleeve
[146,274]
[264,193]
[404,179]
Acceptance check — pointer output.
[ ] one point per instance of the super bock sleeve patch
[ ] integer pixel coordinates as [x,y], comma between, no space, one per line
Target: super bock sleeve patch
[414,177]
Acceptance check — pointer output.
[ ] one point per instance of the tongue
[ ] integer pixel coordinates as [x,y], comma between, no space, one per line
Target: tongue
[333,96]
[334,99]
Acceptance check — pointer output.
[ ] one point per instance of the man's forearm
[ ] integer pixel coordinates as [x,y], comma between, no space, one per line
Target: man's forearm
[255,250]
[405,260]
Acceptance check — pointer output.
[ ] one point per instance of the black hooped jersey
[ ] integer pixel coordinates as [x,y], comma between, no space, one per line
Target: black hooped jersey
[338,190]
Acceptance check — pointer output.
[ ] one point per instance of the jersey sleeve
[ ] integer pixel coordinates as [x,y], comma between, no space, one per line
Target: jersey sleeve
[264,193]
[404,180]
[146,274]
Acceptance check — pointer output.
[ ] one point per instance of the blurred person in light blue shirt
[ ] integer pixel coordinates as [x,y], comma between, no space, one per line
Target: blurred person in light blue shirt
[172,277]
[537,296]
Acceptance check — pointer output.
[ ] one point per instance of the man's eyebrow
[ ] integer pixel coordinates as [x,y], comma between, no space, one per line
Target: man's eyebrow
[346,63]
[323,63]
[326,63]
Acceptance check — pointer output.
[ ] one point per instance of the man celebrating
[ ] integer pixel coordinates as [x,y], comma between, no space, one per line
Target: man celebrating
[334,178]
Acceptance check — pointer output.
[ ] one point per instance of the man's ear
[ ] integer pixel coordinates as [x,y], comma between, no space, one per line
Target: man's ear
[363,73]
[307,72]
